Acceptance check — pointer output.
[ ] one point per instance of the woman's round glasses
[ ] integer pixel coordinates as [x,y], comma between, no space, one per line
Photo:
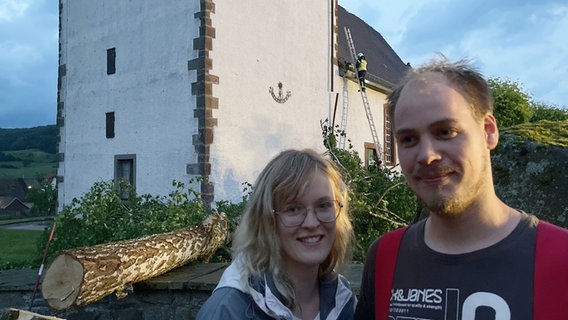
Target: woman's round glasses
[293,215]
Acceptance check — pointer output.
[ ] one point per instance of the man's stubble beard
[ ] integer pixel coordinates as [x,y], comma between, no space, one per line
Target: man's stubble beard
[455,204]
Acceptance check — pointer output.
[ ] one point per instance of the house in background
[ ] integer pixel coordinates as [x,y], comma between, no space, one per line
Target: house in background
[13,193]
[152,92]
[13,204]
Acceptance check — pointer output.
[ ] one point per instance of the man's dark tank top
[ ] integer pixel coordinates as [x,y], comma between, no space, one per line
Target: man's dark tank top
[491,283]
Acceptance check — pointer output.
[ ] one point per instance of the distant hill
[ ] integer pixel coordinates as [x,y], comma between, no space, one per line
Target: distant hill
[41,138]
[28,153]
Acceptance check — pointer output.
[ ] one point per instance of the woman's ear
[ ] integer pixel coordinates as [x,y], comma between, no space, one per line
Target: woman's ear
[491,131]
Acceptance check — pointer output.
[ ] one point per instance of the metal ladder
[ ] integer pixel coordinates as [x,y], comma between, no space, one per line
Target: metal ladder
[380,159]
[344,113]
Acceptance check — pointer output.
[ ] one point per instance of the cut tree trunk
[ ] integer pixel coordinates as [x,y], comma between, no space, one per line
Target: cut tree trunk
[85,275]
[17,314]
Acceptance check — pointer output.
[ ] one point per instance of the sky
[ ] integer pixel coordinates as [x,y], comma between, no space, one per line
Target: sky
[524,41]
[28,62]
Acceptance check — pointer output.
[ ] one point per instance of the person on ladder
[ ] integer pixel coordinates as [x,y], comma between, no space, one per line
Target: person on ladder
[361,66]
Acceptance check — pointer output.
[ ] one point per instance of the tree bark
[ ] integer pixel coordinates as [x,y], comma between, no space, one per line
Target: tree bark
[17,314]
[85,275]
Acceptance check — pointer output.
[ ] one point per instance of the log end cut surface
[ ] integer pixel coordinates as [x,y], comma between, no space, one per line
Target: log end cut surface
[62,282]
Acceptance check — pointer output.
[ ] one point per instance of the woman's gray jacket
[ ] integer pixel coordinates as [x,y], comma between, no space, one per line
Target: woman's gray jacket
[230,300]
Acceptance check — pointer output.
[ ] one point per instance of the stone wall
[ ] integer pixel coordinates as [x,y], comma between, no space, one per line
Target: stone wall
[176,295]
[533,177]
[139,305]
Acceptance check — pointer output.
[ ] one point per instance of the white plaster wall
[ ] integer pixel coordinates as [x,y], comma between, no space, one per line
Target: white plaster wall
[259,43]
[150,92]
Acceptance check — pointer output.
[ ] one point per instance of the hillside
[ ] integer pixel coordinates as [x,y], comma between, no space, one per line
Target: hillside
[28,153]
[41,138]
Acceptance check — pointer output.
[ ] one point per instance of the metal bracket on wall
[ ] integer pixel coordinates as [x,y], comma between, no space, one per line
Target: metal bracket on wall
[280,98]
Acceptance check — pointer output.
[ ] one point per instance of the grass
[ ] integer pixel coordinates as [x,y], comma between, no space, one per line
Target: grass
[548,132]
[28,164]
[18,248]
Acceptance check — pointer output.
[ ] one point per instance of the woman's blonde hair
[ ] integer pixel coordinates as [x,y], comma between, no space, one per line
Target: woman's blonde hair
[283,179]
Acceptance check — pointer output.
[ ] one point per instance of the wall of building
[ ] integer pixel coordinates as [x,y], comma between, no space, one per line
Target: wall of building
[263,45]
[192,90]
[150,92]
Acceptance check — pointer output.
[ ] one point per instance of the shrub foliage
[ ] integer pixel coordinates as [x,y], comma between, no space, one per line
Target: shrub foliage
[103,216]
[380,199]
[511,102]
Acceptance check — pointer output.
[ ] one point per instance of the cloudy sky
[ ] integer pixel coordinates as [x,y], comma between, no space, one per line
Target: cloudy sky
[525,41]
[520,40]
[28,62]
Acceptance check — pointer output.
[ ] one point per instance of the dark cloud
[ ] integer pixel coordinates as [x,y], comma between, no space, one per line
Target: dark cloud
[28,63]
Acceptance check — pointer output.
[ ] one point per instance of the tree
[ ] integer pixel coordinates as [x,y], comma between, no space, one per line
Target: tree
[542,111]
[380,199]
[43,198]
[512,104]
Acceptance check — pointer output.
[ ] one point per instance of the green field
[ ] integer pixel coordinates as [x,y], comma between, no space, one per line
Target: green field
[28,164]
[18,248]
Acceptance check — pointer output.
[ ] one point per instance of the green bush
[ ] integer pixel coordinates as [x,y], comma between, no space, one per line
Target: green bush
[543,111]
[102,216]
[43,198]
[380,200]
[511,102]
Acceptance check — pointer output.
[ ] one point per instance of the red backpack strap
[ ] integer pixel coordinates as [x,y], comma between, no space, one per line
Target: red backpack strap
[551,272]
[385,263]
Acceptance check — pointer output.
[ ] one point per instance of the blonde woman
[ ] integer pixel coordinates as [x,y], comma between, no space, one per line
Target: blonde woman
[292,237]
